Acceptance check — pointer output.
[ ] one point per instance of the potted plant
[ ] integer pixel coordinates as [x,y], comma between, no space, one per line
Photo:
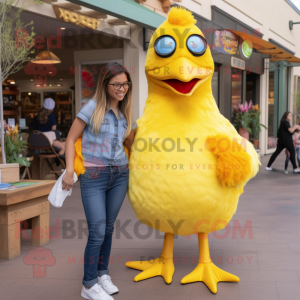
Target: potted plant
[256,125]
[242,119]
[15,147]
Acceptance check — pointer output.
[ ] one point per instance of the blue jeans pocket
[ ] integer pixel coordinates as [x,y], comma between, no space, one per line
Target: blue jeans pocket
[124,171]
[91,173]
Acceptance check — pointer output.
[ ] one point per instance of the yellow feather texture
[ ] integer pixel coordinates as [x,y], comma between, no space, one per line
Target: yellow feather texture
[233,162]
[78,161]
[175,187]
[181,16]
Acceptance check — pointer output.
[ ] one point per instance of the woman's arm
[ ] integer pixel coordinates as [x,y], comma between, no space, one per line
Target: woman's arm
[74,133]
[53,127]
[292,129]
[130,139]
[296,139]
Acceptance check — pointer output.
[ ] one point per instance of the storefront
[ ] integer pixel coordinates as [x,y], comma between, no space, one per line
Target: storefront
[85,35]
[80,41]
[248,68]
[237,71]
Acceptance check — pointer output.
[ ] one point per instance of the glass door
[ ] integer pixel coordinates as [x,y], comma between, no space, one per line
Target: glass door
[215,83]
[272,125]
[236,89]
[278,101]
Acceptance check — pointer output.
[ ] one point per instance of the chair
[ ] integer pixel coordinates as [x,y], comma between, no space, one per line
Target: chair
[38,141]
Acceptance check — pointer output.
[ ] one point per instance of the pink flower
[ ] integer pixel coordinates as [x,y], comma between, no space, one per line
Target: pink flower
[244,108]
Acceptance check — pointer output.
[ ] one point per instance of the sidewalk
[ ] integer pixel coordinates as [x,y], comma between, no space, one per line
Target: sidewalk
[267,263]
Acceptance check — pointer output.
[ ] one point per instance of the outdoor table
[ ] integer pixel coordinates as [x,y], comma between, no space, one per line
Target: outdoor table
[24,203]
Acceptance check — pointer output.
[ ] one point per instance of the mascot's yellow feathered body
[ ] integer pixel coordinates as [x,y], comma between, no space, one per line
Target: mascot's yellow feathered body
[188,165]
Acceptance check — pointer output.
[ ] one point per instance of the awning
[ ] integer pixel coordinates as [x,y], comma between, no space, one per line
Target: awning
[127,10]
[264,47]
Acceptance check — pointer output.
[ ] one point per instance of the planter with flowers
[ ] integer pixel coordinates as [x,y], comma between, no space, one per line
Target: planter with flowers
[242,119]
[15,147]
[256,125]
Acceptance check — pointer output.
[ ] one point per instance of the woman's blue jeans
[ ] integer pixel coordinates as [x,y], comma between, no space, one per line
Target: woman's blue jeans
[288,159]
[103,191]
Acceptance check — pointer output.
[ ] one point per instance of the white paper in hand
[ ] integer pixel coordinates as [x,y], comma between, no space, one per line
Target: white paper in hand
[57,195]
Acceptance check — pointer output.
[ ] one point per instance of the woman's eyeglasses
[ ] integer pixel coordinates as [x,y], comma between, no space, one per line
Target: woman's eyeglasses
[118,86]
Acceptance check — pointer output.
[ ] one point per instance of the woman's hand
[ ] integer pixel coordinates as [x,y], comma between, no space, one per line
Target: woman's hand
[67,181]
[130,139]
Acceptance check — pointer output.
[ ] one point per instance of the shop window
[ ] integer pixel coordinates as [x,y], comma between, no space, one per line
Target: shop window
[271,122]
[297,101]
[62,110]
[215,83]
[251,88]
[30,105]
[286,83]
[89,79]
[295,4]
[236,88]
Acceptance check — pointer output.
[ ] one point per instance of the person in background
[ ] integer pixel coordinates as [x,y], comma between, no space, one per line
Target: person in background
[45,122]
[296,140]
[285,140]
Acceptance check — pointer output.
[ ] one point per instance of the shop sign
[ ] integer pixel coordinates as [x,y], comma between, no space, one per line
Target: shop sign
[226,42]
[246,49]
[238,63]
[75,18]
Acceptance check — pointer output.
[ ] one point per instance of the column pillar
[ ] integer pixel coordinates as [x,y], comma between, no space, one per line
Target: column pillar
[134,61]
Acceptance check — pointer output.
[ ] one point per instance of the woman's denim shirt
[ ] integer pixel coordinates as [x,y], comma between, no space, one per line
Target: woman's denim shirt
[105,148]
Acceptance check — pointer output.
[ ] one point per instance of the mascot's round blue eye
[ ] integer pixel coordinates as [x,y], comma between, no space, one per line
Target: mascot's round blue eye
[196,44]
[165,46]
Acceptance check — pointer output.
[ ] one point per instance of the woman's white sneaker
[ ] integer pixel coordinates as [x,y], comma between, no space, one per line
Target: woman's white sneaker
[106,283]
[269,169]
[296,170]
[95,293]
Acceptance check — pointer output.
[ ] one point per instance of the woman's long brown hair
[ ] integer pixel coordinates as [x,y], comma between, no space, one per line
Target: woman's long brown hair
[103,99]
[43,115]
[284,116]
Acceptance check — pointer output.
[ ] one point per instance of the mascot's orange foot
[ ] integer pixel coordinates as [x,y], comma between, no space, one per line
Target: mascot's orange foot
[158,267]
[210,274]
[161,266]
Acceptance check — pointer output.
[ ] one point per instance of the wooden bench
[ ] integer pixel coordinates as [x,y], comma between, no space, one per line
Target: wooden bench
[25,203]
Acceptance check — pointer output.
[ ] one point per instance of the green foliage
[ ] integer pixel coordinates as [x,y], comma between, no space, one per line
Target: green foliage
[13,147]
[255,124]
[242,119]
[16,37]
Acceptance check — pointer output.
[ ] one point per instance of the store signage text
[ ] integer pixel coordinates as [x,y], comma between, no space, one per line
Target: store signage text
[76,18]
[238,63]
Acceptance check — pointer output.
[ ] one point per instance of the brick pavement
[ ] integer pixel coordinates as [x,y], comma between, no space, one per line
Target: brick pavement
[268,263]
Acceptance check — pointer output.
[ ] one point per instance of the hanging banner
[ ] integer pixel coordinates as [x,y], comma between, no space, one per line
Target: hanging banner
[226,42]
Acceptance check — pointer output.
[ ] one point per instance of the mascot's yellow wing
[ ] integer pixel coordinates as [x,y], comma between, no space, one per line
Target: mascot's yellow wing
[229,152]
[78,160]
[127,152]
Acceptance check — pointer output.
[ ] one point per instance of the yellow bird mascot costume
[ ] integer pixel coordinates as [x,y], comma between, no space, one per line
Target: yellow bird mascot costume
[188,165]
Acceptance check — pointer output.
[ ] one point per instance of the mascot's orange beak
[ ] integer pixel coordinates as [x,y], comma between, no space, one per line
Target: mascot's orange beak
[182,76]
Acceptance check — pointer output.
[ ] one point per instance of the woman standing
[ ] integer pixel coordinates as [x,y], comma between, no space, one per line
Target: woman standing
[285,140]
[105,122]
